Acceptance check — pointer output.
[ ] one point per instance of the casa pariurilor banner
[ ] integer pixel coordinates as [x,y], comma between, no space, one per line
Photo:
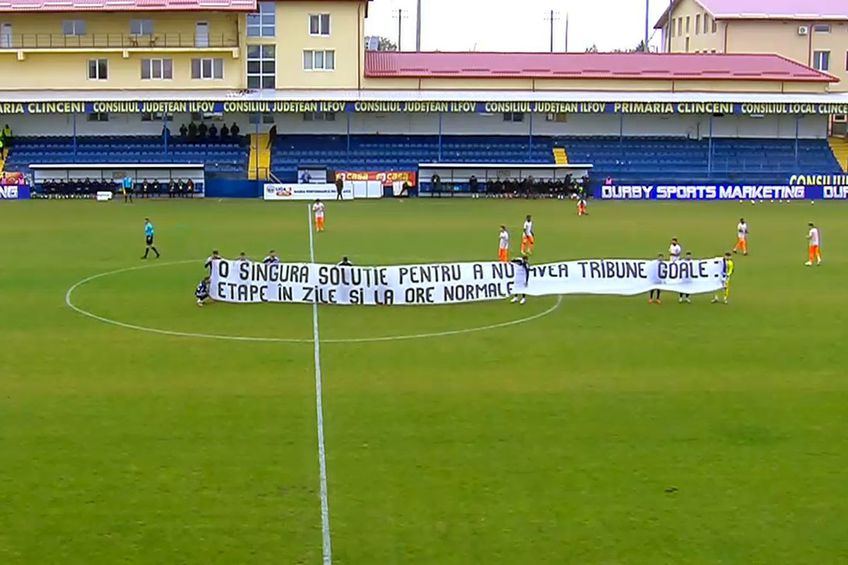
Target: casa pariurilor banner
[425,107]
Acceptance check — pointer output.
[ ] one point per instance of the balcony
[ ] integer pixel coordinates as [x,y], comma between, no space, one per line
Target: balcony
[117,41]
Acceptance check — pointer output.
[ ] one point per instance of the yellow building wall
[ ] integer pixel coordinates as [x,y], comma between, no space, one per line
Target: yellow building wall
[783,38]
[62,68]
[346,39]
[692,38]
[760,36]
[69,71]
[221,24]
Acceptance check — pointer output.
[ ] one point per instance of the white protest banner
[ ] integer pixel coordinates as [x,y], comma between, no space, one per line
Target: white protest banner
[305,192]
[453,283]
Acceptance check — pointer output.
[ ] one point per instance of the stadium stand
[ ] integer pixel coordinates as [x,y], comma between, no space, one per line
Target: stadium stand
[631,159]
[219,157]
[668,159]
[396,152]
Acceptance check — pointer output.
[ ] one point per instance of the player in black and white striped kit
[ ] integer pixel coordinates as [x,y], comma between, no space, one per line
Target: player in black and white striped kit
[201,293]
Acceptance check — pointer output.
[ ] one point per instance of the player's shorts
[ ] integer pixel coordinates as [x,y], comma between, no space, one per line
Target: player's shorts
[814,249]
[528,239]
[201,295]
[503,255]
[149,239]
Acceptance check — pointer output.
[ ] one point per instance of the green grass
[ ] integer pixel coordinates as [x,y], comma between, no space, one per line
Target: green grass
[609,431]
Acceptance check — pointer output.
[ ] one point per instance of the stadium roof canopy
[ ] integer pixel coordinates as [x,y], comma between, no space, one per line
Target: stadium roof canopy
[126,5]
[830,10]
[677,66]
[441,95]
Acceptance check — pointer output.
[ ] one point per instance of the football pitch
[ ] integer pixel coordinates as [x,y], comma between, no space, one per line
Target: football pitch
[580,430]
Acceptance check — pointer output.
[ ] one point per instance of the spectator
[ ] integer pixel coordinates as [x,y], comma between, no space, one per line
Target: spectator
[145,189]
[181,188]
[192,131]
[272,136]
[436,183]
[6,138]
[234,130]
[189,188]
[201,131]
[225,132]
[213,132]
[155,188]
[172,188]
[183,132]
[473,185]
[166,133]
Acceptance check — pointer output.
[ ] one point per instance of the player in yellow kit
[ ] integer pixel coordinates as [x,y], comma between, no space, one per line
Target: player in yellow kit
[726,274]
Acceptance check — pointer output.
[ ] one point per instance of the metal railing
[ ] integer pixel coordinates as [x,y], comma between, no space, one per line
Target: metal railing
[117,40]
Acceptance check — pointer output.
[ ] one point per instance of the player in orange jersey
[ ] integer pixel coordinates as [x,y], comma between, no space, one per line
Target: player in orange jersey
[814,239]
[318,210]
[528,240]
[741,237]
[503,246]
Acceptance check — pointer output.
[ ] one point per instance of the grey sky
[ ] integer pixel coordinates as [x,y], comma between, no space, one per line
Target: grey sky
[516,25]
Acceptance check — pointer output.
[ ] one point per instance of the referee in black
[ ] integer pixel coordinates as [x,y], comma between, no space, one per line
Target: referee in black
[148,238]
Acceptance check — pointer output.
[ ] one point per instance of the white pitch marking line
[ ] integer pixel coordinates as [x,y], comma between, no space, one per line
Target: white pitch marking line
[69,303]
[327,544]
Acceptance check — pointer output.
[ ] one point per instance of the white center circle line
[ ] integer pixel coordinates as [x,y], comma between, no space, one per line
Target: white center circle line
[69,302]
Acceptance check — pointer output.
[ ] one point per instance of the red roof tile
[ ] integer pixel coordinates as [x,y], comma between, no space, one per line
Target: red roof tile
[393,64]
[125,5]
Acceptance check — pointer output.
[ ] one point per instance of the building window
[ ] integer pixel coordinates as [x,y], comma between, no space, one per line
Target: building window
[319,117]
[261,66]
[697,24]
[157,117]
[821,60]
[319,24]
[821,28]
[263,23]
[141,27]
[671,25]
[319,60]
[559,117]
[715,26]
[687,44]
[207,69]
[157,69]
[98,69]
[679,26]
[513,116]
[688,20]
[254,119]
[97,117]
[73,27]
[706,23]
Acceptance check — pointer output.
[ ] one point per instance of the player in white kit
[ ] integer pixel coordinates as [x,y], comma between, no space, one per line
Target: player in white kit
[503,246]
[318,210]
[741,237]
[674,250]
[814,240]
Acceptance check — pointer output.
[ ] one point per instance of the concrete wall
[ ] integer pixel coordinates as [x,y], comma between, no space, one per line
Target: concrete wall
[452,124]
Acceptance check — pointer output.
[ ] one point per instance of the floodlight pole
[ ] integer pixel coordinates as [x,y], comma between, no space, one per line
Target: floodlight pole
[418,27]
[647,24]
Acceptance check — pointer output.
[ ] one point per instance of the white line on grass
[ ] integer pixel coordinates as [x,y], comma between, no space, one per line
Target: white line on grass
[244,338]
[319,409]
